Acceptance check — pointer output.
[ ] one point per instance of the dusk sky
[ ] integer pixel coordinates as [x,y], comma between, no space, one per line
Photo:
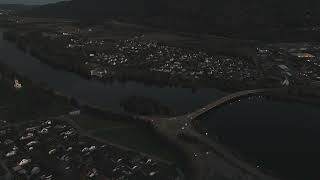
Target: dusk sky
[28,1]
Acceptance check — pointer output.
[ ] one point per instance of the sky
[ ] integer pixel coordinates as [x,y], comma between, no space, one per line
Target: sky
[28,1]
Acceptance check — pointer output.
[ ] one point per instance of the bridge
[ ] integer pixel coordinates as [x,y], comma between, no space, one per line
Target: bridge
[180,132]
[224,100]
[187,118]
[184,120]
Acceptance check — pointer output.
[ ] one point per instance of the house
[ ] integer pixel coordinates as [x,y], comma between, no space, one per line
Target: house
[98,73]
[75,113]
[285,82]
[283,67]
[17,84]
[303,55]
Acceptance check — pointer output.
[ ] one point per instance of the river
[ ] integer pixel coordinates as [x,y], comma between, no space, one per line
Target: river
[279,136]
[93,92]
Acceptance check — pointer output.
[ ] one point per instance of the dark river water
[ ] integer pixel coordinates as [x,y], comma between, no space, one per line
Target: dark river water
[107,95]
[279,136]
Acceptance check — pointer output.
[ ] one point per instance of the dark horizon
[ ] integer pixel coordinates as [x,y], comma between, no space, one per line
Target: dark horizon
[28,2]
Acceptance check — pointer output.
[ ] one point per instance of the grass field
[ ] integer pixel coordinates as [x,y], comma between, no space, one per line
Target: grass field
[29,102]
[126,134]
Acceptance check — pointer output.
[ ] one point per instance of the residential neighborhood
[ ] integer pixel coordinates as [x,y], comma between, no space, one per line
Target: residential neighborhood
[54,149]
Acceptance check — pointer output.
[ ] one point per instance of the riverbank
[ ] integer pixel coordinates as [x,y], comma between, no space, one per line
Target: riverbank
[103,94]
[204,159]
[30,101]
[136,141]
[187,151]
[52,48]
[187,157]
[39,102]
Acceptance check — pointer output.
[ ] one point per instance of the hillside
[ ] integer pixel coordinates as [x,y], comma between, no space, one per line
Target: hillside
[206,16]
[16,7]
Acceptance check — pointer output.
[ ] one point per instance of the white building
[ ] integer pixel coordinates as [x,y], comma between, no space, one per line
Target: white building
[17,84]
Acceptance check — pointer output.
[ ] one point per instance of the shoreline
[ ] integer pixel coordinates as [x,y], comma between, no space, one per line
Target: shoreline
[176,143]
[103,112]
[171,138]
[124,74]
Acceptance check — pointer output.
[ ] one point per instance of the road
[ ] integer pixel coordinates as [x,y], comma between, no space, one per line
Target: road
[189,117]
[224,100]
[208,159]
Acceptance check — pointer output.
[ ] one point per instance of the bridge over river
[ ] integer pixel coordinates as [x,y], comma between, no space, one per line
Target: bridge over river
[227,99]
[204,155]
[187,118]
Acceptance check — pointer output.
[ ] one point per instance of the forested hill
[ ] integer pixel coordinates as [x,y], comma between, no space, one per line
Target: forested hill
[194,15]
[16,7]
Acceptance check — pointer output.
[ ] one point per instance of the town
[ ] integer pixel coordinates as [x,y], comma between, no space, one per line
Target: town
[131,57]
[294,63]
[176,62]
[54,149]
[115,98]
[99,53]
